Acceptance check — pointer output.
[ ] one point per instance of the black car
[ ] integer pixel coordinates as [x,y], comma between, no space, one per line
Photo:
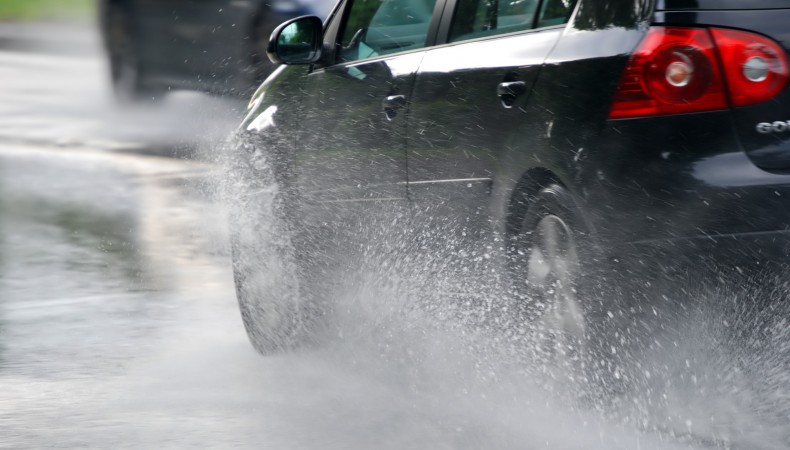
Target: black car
[215,46]
[532,150]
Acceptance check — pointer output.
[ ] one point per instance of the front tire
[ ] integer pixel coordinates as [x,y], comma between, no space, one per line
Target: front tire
[266,273]
[269,305]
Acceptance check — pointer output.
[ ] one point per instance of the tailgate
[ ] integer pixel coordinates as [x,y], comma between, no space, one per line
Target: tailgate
[763,128]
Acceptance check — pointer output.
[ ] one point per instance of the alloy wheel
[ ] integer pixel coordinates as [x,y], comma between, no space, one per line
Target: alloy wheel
[552,275]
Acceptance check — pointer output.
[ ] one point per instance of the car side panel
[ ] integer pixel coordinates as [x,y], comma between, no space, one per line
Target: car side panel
[459,130]
[355,152]
[568,109]
[458,125]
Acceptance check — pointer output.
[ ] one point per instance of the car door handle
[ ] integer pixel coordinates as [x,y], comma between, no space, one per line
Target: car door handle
[391,104]
[508,91]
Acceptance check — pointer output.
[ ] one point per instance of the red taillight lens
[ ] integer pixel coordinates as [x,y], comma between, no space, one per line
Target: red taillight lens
[755,66]
[677,70]
[673,71]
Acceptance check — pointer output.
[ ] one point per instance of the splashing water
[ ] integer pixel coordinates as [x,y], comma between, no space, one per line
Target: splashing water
[430,315]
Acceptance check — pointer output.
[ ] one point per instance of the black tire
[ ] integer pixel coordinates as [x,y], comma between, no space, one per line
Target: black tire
[269,306]
[268,281]
[553,270]
[126,69]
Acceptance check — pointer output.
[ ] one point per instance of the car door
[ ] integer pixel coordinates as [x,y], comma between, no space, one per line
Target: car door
[356,104]
[350,163]
[468,110]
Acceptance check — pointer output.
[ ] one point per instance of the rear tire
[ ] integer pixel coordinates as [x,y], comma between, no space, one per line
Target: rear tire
[566,297]
[546,276]
[571,299]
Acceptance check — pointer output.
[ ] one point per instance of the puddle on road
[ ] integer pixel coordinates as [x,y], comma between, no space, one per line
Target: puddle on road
[119,327]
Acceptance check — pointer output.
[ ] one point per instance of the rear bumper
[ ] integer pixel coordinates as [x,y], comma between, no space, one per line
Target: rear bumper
[679,177]
[751,255]
[682,186]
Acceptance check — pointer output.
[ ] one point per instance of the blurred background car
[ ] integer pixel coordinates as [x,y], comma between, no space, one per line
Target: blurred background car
[215,46]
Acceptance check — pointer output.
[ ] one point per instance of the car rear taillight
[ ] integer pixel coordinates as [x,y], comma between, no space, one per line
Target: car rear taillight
[677,70]
[755,66]
[673,70]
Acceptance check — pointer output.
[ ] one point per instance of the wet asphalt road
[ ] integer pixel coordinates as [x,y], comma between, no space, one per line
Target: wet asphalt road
[55,92]
[118,321]
[119,329]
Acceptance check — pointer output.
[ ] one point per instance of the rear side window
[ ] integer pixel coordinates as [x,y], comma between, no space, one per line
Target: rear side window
[379,27]
[479,18]
[555,12]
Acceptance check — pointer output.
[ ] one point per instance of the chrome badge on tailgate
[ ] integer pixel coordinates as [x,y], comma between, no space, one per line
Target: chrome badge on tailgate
[779,126]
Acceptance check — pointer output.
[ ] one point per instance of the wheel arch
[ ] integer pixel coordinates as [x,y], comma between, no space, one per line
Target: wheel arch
[523,194]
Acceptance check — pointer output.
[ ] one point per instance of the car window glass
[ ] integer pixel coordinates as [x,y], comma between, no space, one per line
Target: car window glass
[478,18]
[555,12]
[379,27]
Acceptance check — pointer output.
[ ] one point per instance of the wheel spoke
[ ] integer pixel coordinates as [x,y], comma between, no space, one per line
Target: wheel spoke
[552,271]
[548,241]
[573,317]
[538,269]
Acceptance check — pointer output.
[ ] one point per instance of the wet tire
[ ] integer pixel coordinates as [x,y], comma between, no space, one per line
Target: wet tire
[569,297]
[546,275]
[559,284]
[270,314]
[268,280]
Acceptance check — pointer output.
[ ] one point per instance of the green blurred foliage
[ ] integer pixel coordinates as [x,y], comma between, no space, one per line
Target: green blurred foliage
[59,10]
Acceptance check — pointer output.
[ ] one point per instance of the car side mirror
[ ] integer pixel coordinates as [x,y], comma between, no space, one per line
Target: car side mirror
[297,41]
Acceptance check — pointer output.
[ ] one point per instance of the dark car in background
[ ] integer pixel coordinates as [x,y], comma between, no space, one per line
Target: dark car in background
[553,146]
[216,46]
